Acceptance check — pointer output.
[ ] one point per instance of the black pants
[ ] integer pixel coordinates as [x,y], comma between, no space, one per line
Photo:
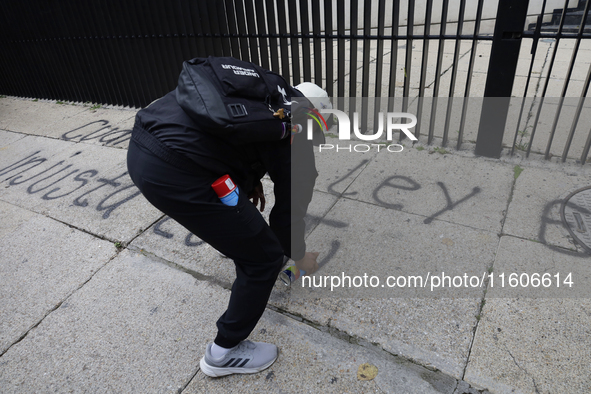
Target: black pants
[238,232]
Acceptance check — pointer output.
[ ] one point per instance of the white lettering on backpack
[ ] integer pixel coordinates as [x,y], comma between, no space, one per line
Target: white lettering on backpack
[241,70]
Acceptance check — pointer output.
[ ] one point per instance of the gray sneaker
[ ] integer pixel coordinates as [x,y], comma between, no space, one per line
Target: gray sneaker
[247,357]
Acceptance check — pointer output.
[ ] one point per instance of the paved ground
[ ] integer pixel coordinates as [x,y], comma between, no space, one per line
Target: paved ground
[99,292]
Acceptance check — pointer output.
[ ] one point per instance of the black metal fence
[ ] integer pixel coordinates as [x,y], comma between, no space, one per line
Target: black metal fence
[130,52]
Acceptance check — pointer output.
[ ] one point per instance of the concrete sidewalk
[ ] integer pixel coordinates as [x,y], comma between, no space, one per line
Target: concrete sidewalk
[101,293]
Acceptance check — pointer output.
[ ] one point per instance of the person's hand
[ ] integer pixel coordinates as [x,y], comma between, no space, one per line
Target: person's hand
[257,194]
[308,263]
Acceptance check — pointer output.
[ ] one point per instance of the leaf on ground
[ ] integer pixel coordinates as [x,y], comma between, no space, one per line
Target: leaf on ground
[517,171]
[367,372]
[447,241]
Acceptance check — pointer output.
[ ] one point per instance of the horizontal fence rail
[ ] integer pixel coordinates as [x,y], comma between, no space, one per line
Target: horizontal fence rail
[426,56]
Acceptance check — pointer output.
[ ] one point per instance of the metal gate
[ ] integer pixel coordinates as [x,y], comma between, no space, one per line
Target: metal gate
[460,65]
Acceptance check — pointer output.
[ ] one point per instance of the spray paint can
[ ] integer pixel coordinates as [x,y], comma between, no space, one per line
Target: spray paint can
[226,190]
[290,275]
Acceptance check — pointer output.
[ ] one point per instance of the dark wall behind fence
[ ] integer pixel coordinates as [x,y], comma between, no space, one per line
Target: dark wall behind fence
[109,52]
[130,52]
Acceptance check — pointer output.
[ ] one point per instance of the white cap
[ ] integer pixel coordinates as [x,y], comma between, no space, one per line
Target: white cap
[317,96]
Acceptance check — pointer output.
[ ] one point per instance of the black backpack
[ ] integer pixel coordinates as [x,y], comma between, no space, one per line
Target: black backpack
[236,99]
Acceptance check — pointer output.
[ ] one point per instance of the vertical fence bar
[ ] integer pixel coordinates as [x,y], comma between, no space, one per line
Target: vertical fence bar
[454,72]
[567,79]
[317,43]
[251,26]
[393,54]
[282,22]
[328,45]
[408,61]
[341,48]
[366,64]
[571,133]
[272,29]
[529,74]
[470,69]
[366,48]
[424,65]
[380,48]
[218,9]
[211,26]
[379,63]
[354,7]
[440,50]
[295,42]
[511,17]
[305,31]
[235,42]
[262,32]
[239,13]
[183,31]
[586,149]
[200,39]
[551,65]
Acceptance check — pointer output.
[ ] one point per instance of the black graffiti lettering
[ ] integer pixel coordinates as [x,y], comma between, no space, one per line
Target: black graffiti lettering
[111,182]
[158,230]
[77,178]
[117,133]
[334,248]
[67,138]
[410,185]
[91,136]
[127,138]
[58,172]
[15,179]
[30,188]
[332,185]
[110,208]
[32,159]
[188,241]
[312,221]
[104,133]
[450,204]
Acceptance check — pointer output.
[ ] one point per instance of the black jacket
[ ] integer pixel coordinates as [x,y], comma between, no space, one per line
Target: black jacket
[168,132]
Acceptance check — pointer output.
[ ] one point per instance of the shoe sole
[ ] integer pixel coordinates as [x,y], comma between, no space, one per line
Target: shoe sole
[216,372]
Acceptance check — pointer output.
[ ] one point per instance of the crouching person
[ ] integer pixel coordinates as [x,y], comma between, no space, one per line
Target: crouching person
[176,154]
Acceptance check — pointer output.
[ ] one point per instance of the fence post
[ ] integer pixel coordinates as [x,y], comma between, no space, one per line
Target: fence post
[509,26]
